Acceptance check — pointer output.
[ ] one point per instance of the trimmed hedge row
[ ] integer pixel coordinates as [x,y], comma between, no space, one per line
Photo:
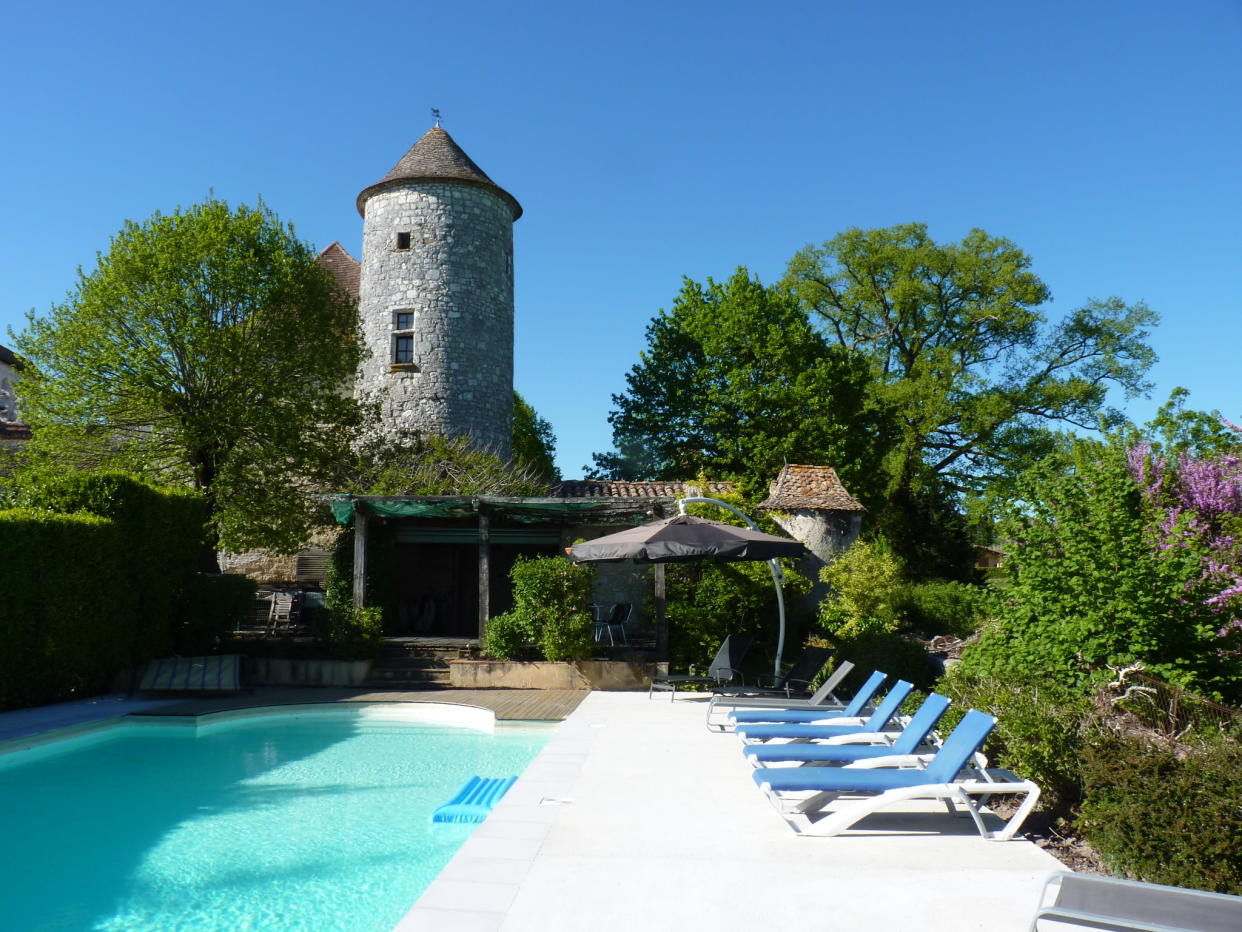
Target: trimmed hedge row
[97,574]
[62,621]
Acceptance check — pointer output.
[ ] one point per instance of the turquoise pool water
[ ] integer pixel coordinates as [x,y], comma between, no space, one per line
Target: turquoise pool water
[317,821]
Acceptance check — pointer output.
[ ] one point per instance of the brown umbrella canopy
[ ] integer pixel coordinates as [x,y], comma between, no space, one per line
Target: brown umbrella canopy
[684,539]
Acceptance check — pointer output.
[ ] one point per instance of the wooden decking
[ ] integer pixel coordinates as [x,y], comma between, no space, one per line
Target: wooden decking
[508,704]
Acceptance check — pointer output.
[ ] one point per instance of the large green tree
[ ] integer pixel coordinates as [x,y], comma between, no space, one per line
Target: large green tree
[964,357]
[534,443]
[205,347]
[735,382]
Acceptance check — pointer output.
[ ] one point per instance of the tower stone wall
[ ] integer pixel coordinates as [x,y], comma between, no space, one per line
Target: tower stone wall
[436,296]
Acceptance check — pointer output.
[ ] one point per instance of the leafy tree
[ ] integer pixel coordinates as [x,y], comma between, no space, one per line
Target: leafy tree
[1176,430]
[208,348]
[964,358]
[735,382]
[534,444]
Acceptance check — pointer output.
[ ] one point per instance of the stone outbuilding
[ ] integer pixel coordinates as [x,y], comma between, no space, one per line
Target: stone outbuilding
[812,505]
[13,433]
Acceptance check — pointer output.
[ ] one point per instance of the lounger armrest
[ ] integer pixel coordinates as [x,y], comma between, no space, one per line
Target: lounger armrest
[733,675]
[892,760]
[865,737]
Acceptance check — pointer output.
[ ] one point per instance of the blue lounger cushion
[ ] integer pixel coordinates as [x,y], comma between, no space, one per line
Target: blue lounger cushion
[474,800]
[796,731]
[908,742]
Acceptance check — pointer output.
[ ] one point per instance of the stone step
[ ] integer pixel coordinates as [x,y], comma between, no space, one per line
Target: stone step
[384,673]
[406,682]
[412,663]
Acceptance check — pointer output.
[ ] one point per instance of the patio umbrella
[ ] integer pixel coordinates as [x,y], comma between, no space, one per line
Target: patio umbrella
[685,539]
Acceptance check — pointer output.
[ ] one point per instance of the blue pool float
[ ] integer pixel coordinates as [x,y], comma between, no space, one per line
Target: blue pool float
[474,800]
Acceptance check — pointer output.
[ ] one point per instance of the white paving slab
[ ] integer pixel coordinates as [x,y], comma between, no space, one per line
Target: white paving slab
[634,816]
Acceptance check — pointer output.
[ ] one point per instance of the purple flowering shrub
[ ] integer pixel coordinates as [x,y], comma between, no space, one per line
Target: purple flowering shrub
[1195,505]
[1117,556]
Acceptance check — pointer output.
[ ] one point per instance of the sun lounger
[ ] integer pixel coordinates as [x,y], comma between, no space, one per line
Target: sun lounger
[795,684]
[880,788]
[828,727]
[822,698]
[725,668]
[1086,901]
[855,746]
[856,706]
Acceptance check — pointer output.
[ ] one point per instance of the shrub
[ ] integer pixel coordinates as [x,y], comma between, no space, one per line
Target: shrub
[65,625]
[707,601]
[1039,729]
[1091,589]
[1166,817]
[551,596]
[867,592]
[896,655]
[509,637]
[94,573]
[941,606]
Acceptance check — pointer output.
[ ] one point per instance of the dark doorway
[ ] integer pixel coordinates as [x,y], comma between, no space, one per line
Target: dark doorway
[436,589]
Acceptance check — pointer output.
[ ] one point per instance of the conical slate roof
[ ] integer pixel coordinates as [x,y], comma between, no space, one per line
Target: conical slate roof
[436,157]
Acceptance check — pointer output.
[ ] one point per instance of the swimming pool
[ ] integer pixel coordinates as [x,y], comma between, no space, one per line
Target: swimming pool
[307,820]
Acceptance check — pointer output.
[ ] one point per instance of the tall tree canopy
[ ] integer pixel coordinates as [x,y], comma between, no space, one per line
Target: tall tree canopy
[924,372]
[205,347]
[963,356]
[735,382]
[534,444]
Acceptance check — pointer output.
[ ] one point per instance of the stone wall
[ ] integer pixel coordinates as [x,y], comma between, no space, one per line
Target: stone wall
[456,278]
[826,534]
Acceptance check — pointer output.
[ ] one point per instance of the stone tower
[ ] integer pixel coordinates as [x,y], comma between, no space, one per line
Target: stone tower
[436,297]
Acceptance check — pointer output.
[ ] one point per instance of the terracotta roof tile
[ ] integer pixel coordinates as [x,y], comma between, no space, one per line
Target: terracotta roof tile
[436,157]
[344,268]
[809,487]
[608,488]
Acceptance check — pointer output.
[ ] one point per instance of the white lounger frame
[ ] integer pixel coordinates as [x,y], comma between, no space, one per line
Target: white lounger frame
[972,794]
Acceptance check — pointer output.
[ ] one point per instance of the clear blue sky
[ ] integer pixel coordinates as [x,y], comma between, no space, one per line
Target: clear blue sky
[651,140]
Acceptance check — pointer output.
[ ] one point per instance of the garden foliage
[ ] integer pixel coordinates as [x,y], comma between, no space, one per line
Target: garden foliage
[1163,814]
[551,612]
[707,601]
[206,347]
[1093,586]
[97,572]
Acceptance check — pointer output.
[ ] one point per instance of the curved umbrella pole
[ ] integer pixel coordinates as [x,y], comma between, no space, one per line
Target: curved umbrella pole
[778,576]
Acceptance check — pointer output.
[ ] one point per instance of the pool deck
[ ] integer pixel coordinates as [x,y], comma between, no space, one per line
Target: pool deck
[634,816]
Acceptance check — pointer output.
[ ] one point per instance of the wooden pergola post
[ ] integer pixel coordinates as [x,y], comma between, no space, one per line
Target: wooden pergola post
[485,571]
[661,618]
[360,556]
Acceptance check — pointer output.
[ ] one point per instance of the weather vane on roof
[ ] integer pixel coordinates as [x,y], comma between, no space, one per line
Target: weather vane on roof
[435,112]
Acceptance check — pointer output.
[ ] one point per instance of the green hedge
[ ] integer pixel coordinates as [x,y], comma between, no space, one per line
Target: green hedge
[97,571]
[1166,816]
[63,628]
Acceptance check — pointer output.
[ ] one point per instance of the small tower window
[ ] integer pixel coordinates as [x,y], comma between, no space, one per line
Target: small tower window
[403,240]
[403,339]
